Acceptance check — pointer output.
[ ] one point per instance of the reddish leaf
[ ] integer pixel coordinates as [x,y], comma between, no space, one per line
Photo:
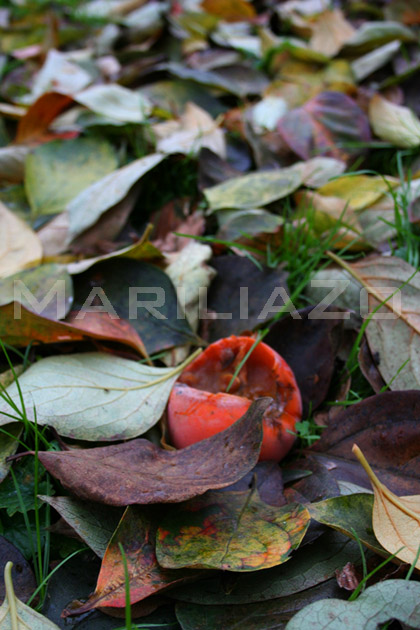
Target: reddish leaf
[136,533]
[40,115]
[30,327]
[140,472]
[326,125]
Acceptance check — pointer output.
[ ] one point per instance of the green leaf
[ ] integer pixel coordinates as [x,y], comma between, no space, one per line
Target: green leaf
[392,599]
[85,209]
[232,531]
[93,396]
[25,479]
[57,171]
[254,189]
[15,615]
[349,514]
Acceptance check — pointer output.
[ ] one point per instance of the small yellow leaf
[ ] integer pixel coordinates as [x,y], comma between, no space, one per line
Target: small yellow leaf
[394,123]
[19,245]
[396,520]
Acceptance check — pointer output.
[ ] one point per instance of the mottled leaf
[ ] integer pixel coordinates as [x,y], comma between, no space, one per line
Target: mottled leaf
[232,531]
[140,472]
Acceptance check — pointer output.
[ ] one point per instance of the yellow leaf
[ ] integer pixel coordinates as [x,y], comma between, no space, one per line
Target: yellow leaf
[19,245]
[396,520]
[359,191]
[394,123]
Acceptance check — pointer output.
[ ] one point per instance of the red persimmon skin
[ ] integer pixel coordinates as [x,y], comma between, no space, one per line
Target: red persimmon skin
[199,406]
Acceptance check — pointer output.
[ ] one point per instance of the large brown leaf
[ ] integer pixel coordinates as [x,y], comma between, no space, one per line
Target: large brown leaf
[140,472]
[386,428]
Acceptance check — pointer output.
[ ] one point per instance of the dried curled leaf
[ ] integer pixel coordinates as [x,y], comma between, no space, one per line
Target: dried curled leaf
[396,520]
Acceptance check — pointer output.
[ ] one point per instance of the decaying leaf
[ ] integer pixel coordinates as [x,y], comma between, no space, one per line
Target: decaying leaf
[232,531]
[396,520]
[14,615]
[140,472]
[392,599]
[93,396]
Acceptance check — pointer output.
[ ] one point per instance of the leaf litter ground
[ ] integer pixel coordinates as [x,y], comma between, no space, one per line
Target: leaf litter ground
[172,174]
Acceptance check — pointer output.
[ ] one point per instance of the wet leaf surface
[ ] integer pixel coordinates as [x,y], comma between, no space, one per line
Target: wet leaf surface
[140,472]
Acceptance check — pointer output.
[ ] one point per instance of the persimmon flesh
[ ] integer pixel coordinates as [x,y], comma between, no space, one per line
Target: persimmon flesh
[199,406]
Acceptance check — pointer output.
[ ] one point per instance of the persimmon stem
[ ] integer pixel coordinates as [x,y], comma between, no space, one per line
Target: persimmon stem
[10,594]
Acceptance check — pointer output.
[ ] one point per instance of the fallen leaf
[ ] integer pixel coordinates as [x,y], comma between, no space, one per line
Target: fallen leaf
[140,472]
[328,124]
[136,534]
[195,130]
[36,121]
[270,615]
[393,332]
[46,289]
[254,189]
[8,438]
[311,565]
[330,31]
[115,101]
[139,293]
[93,522]
[394,123]
[19,245]
[86,208]
[236,224]
[231,11]
[386,601]
[359,191]
[351,515]
[318,171]
[15,615]
[241,296]
[93,396]
[22,574]
[232,531]
[396,520]
[20,327]
[386,427]
[309,345]
[371,35]
[56,172]
[372,61]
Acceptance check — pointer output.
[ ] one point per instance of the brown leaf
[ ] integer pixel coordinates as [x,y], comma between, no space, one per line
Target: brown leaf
[396,520]
[329,32]
[29,327]
[40,115]
[229,10]
[386,427]
[140,472]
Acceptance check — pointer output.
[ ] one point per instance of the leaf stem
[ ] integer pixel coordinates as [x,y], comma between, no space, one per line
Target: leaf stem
[10,594]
